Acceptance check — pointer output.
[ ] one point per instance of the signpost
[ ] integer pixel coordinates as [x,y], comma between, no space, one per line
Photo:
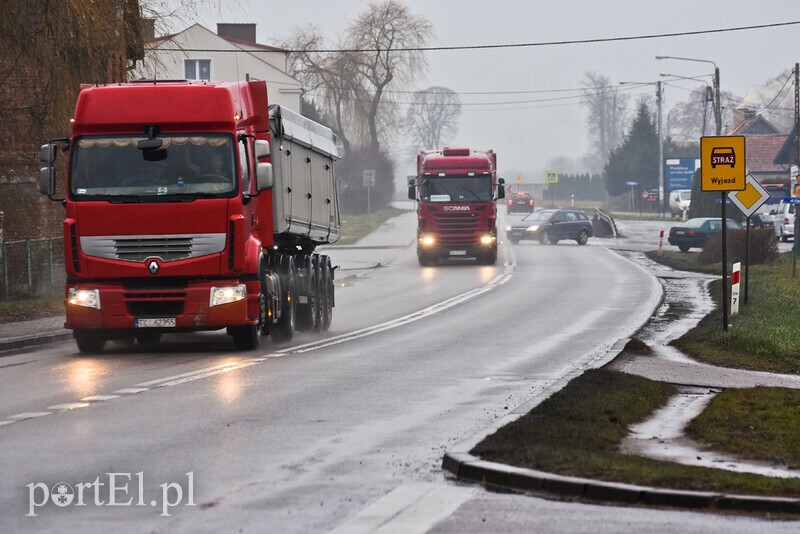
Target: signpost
[632,184]
[735,288]
[369,181]
[551,177]
[722,165]
[748,200]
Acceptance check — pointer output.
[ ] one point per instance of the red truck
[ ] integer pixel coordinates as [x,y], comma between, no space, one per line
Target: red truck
[456,190]
[194,206]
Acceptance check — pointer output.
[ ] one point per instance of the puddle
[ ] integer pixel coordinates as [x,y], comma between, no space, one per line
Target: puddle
[662,438]
[686,302]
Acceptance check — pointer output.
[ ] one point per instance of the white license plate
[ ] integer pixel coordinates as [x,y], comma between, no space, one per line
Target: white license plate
[156,322]
[458,252]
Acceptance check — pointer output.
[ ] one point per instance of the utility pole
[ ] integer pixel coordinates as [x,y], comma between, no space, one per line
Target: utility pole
[717,103]
[661,197]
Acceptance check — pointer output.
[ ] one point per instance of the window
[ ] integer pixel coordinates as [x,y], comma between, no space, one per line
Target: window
[197,69]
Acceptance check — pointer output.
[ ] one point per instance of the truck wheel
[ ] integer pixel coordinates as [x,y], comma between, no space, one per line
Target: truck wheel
[490,258]
[89,342]
[308,313]
[284,328]
[325,293]
[425,259]
[246,337]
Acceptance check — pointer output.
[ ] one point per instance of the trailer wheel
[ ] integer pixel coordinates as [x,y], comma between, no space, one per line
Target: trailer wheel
[308,313]
[325,293]
[89,342]
[284,328]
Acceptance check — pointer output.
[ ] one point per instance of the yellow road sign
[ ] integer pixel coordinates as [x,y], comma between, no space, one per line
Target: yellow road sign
[518,178]
[551,177]
[722,163]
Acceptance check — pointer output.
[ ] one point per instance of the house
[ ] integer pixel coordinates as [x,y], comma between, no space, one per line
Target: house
[230,55]
[763,142]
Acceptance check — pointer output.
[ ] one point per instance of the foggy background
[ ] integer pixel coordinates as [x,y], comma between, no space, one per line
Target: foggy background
[529,110]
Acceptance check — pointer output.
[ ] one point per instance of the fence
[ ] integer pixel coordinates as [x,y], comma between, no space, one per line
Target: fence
[31,268]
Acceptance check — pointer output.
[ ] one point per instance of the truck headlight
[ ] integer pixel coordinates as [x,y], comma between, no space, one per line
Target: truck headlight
[227,294]
[487,239]
[88,298]
[427,240]
[533,228]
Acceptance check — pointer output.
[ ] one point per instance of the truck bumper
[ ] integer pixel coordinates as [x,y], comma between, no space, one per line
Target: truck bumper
[189,306]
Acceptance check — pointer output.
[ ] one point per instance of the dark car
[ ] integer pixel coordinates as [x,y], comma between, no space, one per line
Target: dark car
[520,201]
[695,232]
[552,225]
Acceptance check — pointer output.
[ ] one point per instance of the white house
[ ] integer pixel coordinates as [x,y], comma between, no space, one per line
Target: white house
[229,55]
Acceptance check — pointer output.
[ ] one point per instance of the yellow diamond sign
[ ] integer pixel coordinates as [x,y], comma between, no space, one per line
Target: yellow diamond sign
[722,163]
[752,197]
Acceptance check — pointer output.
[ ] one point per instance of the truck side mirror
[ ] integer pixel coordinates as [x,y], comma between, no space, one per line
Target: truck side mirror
[412,190]
[48,153]
[47,174]
[47,181]
[501,188]
[264,178]
[262,148]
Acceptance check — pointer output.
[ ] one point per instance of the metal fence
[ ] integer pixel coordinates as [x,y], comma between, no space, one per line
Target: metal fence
[31,268]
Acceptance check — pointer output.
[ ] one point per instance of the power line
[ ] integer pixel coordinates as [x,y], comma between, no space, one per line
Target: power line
[493,46]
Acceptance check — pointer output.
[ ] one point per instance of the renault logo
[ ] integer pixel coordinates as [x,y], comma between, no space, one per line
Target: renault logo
[153,267]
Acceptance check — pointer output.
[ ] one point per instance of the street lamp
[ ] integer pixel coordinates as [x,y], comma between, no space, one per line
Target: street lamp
[659,99]
[717,107]
[707,94]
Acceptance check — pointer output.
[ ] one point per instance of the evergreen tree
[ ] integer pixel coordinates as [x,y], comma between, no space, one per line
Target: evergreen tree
[636,158]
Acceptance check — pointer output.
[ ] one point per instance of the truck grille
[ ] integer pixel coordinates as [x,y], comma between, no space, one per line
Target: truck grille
[458,229]
[165,247]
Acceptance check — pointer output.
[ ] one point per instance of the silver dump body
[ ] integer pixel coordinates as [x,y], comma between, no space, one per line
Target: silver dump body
[305,202]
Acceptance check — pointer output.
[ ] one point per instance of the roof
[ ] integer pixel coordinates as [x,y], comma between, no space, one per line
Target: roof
[761,151]
[757,125]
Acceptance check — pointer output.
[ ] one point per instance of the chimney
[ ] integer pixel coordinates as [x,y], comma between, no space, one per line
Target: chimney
[743,114]
[240,32]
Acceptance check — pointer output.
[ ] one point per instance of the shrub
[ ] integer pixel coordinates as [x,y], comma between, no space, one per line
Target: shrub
[763,247]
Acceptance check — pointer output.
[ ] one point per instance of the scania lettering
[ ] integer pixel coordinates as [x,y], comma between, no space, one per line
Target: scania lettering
[456,190]
[194,206]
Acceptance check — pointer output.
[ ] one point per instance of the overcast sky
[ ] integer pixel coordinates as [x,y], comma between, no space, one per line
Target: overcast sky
[530,132]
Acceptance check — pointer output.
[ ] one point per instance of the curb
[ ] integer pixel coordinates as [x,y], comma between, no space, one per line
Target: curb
[33,341]
[496,476]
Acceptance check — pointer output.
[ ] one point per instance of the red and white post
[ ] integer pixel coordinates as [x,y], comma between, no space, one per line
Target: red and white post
[735,288]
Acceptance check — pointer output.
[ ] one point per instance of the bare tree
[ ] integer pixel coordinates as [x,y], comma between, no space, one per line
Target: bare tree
[433,116]
[606,117]
[378,52]
[693,118]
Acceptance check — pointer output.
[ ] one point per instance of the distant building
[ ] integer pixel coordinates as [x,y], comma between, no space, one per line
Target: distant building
[763,142]
[229,55]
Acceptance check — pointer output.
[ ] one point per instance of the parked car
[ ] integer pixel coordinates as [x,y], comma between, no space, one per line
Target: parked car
[695,232]
[783,221]
[552,225]
[520,201]
[679,201]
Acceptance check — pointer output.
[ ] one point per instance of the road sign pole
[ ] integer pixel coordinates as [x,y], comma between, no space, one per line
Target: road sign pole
[746,259]
[724,263]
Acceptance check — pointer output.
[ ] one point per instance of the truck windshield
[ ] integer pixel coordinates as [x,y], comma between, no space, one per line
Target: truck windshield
[183,167]
[457,188]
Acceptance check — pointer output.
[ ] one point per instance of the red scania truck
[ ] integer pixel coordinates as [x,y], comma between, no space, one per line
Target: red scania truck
[194,206]
[456,190]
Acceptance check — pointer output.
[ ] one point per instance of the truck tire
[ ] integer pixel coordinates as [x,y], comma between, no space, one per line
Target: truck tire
[246,337]
[284,328]
[89,342]
[489,258]
[308,312]
[325,293]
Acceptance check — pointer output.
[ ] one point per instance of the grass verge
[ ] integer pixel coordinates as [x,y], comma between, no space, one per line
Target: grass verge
[26,309]
[764,336]
[356,226]
[578,431]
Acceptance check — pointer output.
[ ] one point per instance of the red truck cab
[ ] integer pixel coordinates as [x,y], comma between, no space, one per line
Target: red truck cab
[456,190]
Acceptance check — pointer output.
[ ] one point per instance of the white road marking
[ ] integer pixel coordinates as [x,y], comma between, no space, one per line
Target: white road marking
[410,508]
[68,406]
[206,372]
